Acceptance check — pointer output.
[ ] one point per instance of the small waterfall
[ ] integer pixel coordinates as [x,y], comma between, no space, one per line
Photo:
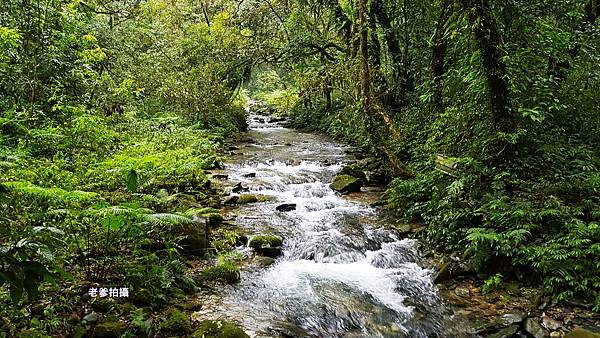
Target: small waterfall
[341,275]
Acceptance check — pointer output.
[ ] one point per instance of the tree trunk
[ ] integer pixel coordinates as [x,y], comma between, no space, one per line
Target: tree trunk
[438,56]
[401,81]
[489,41]
[375,45]
[365,83]
[371,107]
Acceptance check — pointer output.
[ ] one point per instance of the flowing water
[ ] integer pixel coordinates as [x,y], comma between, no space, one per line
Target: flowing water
[341,274]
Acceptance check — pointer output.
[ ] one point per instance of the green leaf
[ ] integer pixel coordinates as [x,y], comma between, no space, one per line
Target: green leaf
[132,181]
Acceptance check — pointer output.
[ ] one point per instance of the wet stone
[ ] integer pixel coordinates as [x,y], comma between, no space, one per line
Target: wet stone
[550,323]
[286,207]
[513,318]
[506,332]
[582,333]
[91,317]
[463,292]
[533,327]
[346,184]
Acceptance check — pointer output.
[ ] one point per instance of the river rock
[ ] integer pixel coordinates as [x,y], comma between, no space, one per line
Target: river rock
[239,188]
[220,176]
[550,323]
[346,184]
[286,207]
[272,252]
[534,328]
[354,170]
[264,261]
[582,333]
[513,318]
[452,268]
[442,274]
[247,199]
[262,241]
[276,119]
[177,323]
[91,317]
[463,292]
[506,332]
[214,219]
[267,245]
[250,175]
[240,199]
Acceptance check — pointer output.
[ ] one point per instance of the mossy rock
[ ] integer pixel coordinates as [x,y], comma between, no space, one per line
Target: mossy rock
[246,199]
[354,170]
[110,329]
[582,333]
[262,241]
[346,183]
[176,323]
[214,219]
[79,332]
[219,329]
[128,308]
[104,304]
[226,271]
[265,198]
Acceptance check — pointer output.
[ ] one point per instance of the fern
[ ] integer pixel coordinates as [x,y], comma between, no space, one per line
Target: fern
[168,219]
[51,194]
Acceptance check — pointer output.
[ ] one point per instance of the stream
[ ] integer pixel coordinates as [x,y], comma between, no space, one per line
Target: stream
[341,274]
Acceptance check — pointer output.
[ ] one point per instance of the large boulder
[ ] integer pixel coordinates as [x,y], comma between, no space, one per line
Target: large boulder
[267,245]
[346,184]
[354,170]
[261,241]
[534,328]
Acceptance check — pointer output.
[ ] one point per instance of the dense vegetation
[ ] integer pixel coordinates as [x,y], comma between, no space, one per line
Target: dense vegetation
[506,92]
[111,111]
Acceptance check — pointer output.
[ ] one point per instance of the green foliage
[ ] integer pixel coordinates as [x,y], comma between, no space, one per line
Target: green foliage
[28,262]
[492,283]
[225,270]
[176,323]
[224,241]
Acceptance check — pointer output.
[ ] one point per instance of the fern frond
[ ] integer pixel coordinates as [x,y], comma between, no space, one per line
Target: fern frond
[55,194]
[168,219]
